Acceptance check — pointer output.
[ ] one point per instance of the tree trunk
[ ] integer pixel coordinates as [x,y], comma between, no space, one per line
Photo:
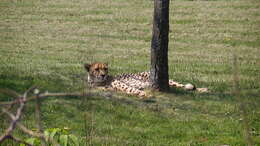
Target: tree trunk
[159,46]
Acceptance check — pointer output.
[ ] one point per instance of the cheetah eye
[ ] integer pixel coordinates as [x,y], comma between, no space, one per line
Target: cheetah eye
[96,69]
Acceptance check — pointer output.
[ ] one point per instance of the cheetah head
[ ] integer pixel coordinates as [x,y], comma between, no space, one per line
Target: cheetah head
[97,73]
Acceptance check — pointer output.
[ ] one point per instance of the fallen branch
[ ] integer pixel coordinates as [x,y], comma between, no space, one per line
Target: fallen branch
[18,140]
[16,118]
[22,99]
[21,126]
[28,131]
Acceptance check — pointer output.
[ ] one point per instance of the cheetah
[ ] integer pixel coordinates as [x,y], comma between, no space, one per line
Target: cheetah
[129,83]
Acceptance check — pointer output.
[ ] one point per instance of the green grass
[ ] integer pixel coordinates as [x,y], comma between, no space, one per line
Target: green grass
[45,43]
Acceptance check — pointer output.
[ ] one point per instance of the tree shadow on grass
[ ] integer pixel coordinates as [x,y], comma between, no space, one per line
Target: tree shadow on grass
[206,95]
[15,82]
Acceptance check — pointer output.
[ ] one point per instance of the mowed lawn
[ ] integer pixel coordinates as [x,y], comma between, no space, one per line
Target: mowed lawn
[46,43]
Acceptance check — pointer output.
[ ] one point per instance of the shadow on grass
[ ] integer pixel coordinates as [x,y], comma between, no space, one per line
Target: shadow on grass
[211,95]
[20,83]
[15,82]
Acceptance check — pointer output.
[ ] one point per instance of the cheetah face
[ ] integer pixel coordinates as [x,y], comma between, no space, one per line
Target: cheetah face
[97,73]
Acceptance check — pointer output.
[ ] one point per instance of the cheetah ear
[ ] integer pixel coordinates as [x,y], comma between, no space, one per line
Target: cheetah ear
[87,66]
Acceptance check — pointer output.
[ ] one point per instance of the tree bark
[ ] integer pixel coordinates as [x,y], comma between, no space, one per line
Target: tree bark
[159,46]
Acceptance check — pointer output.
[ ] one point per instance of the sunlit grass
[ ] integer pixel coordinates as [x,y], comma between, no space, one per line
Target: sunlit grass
[45,43]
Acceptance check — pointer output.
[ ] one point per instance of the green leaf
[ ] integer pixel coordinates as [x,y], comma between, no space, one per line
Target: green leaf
[64,140]
[74,139]
[30,140]
[64,131]
[33,141]
[54,131]
[47,135]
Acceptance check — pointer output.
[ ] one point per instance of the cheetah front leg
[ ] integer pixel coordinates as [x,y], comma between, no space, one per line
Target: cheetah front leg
[117,85]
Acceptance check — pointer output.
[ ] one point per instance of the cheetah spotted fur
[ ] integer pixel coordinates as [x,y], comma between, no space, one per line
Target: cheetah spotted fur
[131,83]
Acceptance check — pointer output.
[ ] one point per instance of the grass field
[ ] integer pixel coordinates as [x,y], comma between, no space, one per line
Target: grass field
[45,43]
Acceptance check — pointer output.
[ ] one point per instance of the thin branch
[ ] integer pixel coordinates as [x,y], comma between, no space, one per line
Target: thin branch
[22,99]
[28,131]
[10,92]
[21,126]
[17,101]
[16,118]
[38,117]
[44,95]
[8,108]
[18,140]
